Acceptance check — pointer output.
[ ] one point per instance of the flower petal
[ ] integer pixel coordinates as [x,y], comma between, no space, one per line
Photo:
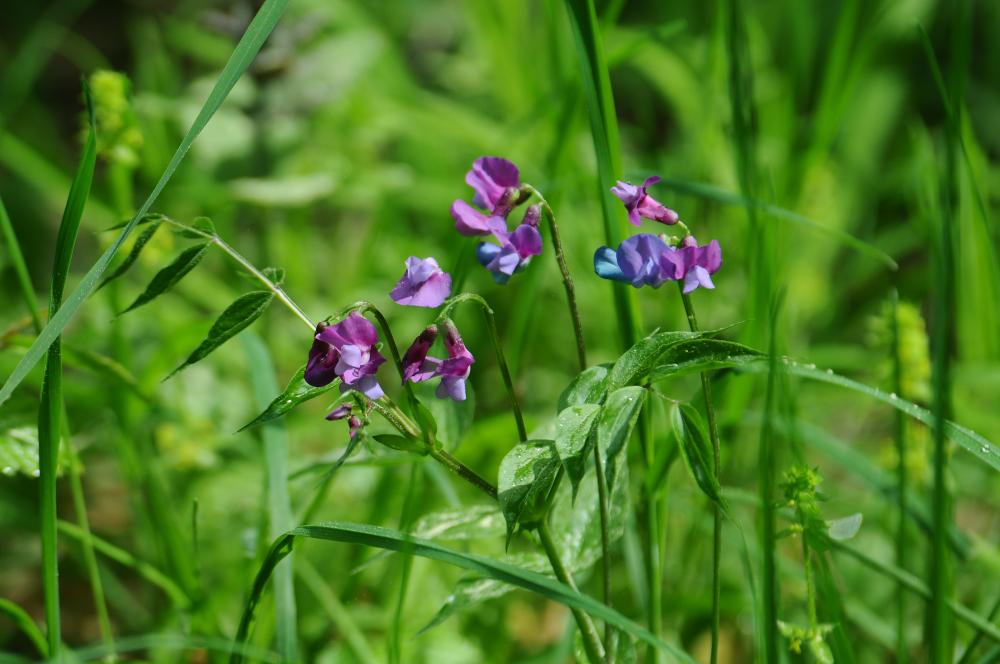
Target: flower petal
[606,264]
[526,240]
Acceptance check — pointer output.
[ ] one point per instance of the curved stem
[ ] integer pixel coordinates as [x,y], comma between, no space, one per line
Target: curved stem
[574,312]
[713,431]
[463,471]
[491,325]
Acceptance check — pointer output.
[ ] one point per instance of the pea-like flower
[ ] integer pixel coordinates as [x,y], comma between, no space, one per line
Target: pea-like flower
[641,205]
[454,370]
[496,182]
[345,412]
[512,254]
[424,284]
[346,351]
[647,260]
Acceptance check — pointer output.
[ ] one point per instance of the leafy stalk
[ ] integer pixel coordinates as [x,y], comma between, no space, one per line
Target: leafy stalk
[713,432]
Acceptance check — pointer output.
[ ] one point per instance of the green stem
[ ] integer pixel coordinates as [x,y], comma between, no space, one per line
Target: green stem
[713,431]
[20,267]
[574,311]
[491,326]
[901,480]
[463,471]
[591,641]
[810,585]
[602,501]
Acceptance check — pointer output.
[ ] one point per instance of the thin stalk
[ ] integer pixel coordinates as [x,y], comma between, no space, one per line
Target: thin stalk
[406,566]
[463,471]
[491,326]
[602,501]
[713,432]
[574,311]
[978,636]
[810,585]
[901,480]
[591,641]
[765,469]
[20,268]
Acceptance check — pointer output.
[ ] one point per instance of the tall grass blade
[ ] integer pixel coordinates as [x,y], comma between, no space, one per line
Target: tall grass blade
[20,267]
[51,402]
[279,504]
[248,46]
[24,622]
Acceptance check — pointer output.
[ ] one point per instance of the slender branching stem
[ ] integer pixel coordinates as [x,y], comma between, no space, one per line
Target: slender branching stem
[491,326]
[713,432]
[567,279]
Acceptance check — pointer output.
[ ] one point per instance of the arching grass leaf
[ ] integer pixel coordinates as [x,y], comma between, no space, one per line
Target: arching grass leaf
[169,276]
[237,316]
[527,475]
[296,392]
[575,440]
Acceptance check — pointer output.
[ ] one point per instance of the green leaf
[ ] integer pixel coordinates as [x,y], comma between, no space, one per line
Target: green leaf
[636,363]
[275,274]
[402,443]
[391,540]
[452,419]
[297,391]
[575,440]
[696,451]
[618,417]
[473,522]
[168,277]
[19,452]
[237,316]
[140,242]
[253,38]
[527,475]
[587,387]
[201,226]
[845,528]
[697,355]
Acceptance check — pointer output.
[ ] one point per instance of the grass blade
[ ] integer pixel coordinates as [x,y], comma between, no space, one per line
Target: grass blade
[390,540]
[248,46]
[23,621]
[279,504]
[20,268]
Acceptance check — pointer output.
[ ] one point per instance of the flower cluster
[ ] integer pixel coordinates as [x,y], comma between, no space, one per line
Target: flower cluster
[497,186]
[650,260]
[347,351]
[453,371]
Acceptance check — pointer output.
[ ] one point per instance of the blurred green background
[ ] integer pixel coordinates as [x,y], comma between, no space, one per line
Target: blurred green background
[338,156]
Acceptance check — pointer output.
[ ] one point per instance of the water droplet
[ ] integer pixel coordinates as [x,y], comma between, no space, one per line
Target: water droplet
[984,449]
[893,396]
[829,372]
[35,473]
[7,470]
[288,401]
[810,366]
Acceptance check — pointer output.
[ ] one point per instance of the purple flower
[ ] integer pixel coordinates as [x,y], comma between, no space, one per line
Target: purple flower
[346,350]
[646,260]
[471,222]
[512,254]
[699,263]
[641,205]
[453,370]
[424,284]
[495,181]
[638,261]
[353,421]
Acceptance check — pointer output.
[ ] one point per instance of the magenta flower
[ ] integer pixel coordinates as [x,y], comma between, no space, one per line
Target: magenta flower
[453,371]
[641,205]
[496,183]
[346,351]
[697,264]
[424,284]
[344,412]
[512,254]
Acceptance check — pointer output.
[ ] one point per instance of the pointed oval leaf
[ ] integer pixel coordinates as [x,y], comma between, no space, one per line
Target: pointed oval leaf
[618,417]
[133,255]
[587,387]
[237,316]
[527,475]
[402,443]
[473,522]
[296,392]
[636,363]
[845,528]
[696,451]
[168,277]
[704,354]
[575,440]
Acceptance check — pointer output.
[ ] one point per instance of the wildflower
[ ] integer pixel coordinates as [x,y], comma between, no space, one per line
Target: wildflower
[695,264]
[512,254]
[641,205]
[453,371]
[496,183]
[344,412]
[638,261]
[346,350]
[424,284]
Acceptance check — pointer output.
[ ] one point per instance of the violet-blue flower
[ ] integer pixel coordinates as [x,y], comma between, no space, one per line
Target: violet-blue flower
[424,284]
[641,205]
[453,370]
[697,263]
[346,350]
[637,261]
